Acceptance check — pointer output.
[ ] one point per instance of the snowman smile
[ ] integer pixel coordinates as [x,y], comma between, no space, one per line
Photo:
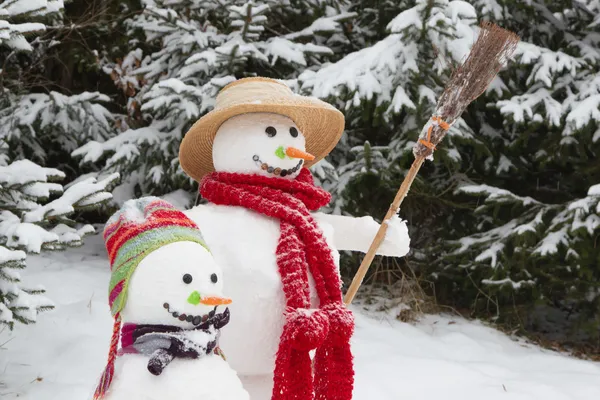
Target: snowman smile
[194,319]
[276,170]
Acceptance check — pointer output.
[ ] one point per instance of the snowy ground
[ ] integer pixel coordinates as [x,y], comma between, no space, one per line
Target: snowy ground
[439,358]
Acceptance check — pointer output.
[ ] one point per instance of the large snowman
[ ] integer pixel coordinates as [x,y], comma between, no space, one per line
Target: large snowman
[279,256]
[166,296]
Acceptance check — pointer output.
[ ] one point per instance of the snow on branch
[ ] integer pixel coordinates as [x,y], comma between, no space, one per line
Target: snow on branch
[548,228]
[81,116]
[373,71]
[546,99]
[281,48]
[385,70]
[24,172]
[84,194]
[11,259]
[507,281]
[547,64]
[494,194]
[24,221]
[13,34]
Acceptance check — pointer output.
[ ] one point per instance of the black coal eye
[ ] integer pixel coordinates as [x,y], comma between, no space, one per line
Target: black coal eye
[187,278]
[293,132]
[271,131]
[214,278]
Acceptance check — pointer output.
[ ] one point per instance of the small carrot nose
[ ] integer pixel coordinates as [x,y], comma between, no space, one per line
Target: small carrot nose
[215,301]
[297,153]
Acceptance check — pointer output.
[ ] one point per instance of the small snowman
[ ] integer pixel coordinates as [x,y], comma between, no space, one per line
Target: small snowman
[279,255]
[166,298]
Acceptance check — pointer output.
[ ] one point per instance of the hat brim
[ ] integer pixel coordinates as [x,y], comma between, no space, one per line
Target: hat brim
[321,125]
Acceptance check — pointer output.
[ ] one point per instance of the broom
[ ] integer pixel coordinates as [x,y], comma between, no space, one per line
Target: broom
[489,54]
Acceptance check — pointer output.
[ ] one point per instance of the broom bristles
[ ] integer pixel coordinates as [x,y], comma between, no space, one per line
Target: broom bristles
[491,51]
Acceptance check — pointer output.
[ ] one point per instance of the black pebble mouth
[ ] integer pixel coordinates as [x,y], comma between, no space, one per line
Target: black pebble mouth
[193,319]
[276,171]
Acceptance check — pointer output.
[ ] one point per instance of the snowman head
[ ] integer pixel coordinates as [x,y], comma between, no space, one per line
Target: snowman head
[161,269]
[260,143]
[233,136]
[178,284]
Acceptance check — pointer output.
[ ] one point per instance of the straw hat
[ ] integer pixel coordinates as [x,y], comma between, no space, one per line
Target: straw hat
[321,123]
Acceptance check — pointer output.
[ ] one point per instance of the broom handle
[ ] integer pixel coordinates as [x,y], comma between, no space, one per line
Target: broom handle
[366,262]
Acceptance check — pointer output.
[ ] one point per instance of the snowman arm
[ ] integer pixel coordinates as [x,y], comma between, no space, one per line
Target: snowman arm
[357,233]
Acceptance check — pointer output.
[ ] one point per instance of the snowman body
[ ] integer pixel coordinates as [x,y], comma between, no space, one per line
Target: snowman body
[177,286]
[208,378]
[244,244]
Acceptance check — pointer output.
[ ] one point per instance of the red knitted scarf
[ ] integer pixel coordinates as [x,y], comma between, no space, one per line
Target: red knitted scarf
[301,248]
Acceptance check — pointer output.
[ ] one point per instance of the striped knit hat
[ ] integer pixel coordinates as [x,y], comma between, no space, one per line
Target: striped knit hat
[137,229]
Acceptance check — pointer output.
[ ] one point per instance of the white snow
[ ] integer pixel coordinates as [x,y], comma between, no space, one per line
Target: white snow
[585,110]
[7,255]
[6,315]
[441,357]
[531,225]
[24,171]
[550,243]
[425,92]
[82,194]
[400,100]
[524,105]
[368,72]
[19,7]
[461,9]
[406,19]
[594,190]
[66,234]
[507,281]
[125,145]
[504,165]
[28,27]
[279,47]
[491,254]
[497,194]
[23,234]
[78,113]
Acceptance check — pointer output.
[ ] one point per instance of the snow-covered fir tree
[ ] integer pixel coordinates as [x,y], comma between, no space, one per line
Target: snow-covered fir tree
[36,123]
[39,127]
[30,223]
[537,218]
[525,149]
[188,50]
[388,90]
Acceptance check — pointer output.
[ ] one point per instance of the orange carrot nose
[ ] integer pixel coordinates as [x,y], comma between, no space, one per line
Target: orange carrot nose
[297,153]
[215,301]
